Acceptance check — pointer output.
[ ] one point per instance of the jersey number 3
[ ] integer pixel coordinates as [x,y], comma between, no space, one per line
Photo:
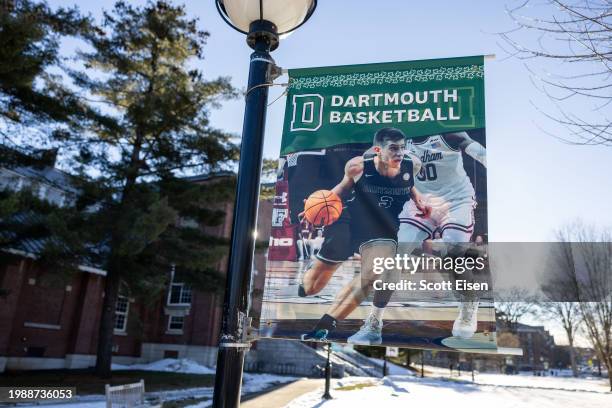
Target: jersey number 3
[385,201]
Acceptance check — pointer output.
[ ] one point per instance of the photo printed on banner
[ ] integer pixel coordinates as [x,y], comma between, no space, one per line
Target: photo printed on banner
[379,220]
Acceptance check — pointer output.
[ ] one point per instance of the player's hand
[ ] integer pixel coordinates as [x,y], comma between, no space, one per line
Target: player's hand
[423,208]
[419,203]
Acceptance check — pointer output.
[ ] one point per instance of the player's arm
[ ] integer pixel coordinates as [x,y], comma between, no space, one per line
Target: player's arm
[352,170]
[415,195]
[462,141]
[419,202]
[416,164]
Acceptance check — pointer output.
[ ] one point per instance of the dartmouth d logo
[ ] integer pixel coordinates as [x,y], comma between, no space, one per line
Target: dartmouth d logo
[307,112]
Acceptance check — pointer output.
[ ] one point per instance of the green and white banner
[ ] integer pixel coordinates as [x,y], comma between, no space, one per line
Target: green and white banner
[347,104]
[379,223]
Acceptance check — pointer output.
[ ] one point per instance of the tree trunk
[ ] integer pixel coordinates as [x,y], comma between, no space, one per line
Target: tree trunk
[107,323]
[113,278]
[573,357]
[609,366]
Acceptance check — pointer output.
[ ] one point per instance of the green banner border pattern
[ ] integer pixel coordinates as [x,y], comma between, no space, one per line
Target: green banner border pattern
[465,74]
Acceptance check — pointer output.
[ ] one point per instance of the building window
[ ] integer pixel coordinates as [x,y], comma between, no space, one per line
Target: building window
[179,293]
[176,323]
[20,181]
[42,191]
[122,307]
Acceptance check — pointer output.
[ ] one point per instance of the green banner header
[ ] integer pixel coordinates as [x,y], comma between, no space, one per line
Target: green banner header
[328,106]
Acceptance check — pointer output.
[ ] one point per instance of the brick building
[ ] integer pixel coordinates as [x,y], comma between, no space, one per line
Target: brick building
[51,324]
[538,348]
[47,323]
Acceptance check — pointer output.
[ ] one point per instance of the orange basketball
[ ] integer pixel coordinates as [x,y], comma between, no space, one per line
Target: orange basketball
[323,207]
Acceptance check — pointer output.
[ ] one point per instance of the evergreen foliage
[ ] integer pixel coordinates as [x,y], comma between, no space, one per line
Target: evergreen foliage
[138,127]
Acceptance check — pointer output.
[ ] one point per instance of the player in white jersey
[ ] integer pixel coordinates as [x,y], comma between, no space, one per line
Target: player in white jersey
[447,190]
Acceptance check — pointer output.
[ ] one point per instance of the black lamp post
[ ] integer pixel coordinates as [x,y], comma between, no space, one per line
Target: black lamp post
[422,368]
[328,374]
[384,373]
[263,21]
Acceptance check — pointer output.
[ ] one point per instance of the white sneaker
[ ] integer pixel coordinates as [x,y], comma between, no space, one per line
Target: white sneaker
[369,334]
[465,324]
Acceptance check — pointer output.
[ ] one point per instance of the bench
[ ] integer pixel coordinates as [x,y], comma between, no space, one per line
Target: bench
[125,396]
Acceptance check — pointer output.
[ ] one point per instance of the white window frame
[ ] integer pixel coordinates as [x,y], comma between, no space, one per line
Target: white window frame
[124,314]
[20,182]
[173,330]
[42,192]
[183,288]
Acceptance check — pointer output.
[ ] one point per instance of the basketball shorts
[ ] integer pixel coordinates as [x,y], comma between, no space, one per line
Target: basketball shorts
[341,241]
[456,214]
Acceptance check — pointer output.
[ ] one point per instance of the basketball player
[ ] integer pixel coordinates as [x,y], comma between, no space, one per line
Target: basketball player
[447,189]
[380,184]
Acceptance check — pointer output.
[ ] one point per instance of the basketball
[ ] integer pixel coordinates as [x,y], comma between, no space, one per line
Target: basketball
[323,207]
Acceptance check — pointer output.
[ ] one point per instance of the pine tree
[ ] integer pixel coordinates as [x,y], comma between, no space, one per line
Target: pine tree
[149,216]
[32,95]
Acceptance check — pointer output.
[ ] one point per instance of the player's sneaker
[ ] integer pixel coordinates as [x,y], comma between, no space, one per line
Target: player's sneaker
[465,324]
[315,335]
[369,334]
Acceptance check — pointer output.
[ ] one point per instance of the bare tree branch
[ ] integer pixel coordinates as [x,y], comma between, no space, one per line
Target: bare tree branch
[572,35]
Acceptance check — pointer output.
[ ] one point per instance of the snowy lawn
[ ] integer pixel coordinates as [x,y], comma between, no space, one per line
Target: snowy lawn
[252,383]
[184,366]
[529,380]
[524,379]
[402,391]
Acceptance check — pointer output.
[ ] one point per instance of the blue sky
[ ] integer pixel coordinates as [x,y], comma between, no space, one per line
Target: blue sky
[536,183]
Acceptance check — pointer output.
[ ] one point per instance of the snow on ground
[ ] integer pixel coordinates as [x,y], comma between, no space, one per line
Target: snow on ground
[259,382]
[251,383]
[402,391]
[529,380]
[183,365]
[400,388]
[525,379]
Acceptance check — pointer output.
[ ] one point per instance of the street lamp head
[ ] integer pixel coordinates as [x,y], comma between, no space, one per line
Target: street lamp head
[266,19]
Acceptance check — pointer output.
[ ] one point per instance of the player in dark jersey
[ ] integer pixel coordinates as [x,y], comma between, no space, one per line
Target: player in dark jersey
[375,188]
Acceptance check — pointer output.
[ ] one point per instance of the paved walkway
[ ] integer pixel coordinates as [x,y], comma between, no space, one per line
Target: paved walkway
[285,394]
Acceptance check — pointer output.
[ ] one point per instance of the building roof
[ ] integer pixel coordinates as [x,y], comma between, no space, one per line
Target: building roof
[48,175]
[34,247]
[211,176]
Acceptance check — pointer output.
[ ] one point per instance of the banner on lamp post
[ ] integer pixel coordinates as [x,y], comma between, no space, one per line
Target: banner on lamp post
[379,224]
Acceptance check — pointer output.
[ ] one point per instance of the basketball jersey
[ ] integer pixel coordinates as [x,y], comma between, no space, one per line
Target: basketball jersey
[377,200]
[442,173]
